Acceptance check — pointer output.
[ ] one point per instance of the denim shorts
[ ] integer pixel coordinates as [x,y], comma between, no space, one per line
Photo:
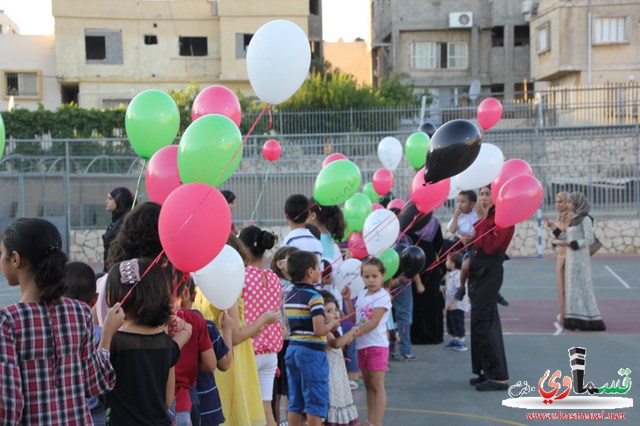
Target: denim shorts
[308,377]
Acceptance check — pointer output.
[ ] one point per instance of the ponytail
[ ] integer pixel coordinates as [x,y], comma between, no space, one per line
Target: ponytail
[257,241]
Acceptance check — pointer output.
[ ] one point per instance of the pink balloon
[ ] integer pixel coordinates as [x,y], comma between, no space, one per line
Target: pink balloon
[271,150]
[382,181]
[396,203]
[377,206]
[510,169]
[519,198]
[162,175]
[489,113]
[194,225]
[217,100]
[356,245]
[428,197]
[333,157]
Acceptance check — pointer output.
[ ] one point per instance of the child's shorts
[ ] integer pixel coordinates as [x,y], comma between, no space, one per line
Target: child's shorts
[308,375]
[374,358]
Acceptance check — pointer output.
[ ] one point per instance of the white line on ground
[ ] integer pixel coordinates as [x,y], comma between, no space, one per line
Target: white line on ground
[616,276]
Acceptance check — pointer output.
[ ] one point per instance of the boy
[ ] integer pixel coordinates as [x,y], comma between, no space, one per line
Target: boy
[455,309]
[81,285]
[306,359]
[296,212]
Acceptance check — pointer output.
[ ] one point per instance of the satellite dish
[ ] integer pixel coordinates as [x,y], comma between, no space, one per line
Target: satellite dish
[474,90]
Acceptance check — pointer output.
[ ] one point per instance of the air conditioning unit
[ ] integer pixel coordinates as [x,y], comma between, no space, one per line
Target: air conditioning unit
[460,20]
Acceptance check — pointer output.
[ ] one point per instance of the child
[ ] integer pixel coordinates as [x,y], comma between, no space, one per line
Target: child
[455,308]
[306,357]
[142,353]
[46,338]
[403,307]
[80,279]
[280,388]
[330,222]
[342,410]
[372,310]
[464,216]
[296,212]
[196,355]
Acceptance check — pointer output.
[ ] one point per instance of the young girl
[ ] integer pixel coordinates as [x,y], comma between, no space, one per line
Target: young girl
[455,308]
[330,222]
[48,358]
[342,410]
[142,353]
[372,310]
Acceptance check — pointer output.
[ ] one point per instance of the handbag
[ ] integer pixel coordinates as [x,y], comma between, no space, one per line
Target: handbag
[593,248]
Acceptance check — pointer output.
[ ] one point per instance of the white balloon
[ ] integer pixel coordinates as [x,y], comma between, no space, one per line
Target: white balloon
[348,274]
[454,190]
[278,59]
[380,231]
[483,170]
[390,152]
[221,280]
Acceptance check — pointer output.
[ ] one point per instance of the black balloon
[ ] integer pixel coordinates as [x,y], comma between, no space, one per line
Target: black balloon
[453,147]
[428,128]
[412,261]
[408,217]
[399,248]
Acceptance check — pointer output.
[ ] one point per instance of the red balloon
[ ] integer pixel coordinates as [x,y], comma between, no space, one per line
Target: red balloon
[396,204]
[428,197]
[377,206]
[271,150]
[217,100]
[162,175]
[489,113]
[194,225]
[356,245]
[382,181]
[333,157]
[510,169]
[519,198]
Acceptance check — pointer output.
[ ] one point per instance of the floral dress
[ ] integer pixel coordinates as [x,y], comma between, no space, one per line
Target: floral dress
[342,410]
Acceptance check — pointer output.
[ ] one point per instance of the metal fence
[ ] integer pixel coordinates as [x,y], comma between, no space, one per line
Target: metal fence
[68,179]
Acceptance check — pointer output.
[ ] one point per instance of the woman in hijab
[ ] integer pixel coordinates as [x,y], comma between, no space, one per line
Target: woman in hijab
[118,202]
[559,229]
[581,309]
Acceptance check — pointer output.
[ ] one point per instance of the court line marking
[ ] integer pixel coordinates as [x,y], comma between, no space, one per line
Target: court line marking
[449,413]
[616,276]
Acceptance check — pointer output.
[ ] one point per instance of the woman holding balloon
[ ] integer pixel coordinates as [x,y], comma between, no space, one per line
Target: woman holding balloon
[488,359]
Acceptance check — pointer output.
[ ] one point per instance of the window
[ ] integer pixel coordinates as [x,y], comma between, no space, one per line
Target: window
[115,103]
[542,38]
[242,42]
[497,37]
[427,55]
[150,39]
[521,35]
[609,30]
[193,46]
[103,46]
[21,84]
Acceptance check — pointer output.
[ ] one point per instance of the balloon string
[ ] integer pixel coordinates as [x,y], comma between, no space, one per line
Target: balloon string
[397,290]
[135,197]
[264,182]
[459,241]
[156,260]
[235,154]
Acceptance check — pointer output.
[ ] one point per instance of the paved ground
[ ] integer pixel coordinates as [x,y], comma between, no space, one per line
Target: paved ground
[434,390]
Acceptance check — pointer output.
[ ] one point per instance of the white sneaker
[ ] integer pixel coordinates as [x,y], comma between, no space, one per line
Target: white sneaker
[353,385]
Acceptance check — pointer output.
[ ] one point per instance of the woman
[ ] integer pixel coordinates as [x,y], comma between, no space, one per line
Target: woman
[233,202]
[118,202]
[488,359]
[559,229]
[581,309]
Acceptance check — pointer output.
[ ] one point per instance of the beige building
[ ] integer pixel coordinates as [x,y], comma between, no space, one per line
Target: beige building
[350,57]
[582,42]
[107,52]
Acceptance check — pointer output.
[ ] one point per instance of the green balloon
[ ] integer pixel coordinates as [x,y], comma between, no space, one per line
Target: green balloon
[371,193]
[210,150]
[336,183]
[416,149]
[356,209]
[152,122]
[391,261]
[2,136]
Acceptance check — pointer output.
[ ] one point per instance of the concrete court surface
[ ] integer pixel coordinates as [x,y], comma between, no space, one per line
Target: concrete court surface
[434,390]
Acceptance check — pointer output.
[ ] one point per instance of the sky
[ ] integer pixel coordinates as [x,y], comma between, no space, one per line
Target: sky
[341,18]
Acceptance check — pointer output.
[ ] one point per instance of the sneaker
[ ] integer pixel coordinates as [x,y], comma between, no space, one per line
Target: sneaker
[409,357]
[394,357]
[353,385]
[475,380]
[451,344]
[461,347]
[490,385]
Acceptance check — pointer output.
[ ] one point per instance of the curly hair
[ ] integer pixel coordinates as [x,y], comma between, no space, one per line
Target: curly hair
[138,235]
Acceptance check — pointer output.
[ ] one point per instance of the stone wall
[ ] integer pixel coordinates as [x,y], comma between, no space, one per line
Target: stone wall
[618,237]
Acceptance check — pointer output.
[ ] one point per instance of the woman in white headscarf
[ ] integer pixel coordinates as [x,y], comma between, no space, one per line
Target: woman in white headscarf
[581,309]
